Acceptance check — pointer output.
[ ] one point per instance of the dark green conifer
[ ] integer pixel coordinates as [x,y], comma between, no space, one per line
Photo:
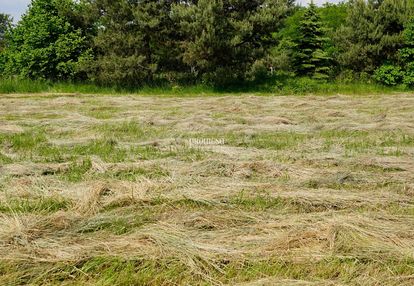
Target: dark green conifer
[310,57]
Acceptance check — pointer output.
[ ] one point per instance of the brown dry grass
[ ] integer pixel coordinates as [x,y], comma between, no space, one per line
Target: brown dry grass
[107,190]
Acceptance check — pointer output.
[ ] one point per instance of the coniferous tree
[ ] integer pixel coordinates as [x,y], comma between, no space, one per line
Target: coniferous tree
[372,33]
[145,41]
[224,39]
[311,59]
[137,42]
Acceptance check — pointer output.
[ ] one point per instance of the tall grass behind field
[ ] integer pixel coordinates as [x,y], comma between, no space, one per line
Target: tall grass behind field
[8,86]
[293,86]
[13,86]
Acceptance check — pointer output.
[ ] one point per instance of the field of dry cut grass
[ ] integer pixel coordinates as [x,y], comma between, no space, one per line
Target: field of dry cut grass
[229,190]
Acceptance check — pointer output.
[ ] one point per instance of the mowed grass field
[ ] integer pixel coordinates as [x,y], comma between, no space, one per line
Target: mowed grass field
[226,190]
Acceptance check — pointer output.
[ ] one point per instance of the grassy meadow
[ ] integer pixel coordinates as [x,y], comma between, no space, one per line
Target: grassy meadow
[205,190]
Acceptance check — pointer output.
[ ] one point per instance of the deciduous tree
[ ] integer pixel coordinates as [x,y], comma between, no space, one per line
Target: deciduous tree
[45,44]
[5,25]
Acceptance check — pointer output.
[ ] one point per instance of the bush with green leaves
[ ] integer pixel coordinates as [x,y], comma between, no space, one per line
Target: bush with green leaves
[389,75]
[407,54]
[409,78]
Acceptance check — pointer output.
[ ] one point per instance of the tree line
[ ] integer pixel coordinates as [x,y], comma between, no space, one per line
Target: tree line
[218,42]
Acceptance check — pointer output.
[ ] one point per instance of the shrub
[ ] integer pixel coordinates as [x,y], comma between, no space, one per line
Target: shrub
[389,75]
[301,85]
[409,75]
[407,54]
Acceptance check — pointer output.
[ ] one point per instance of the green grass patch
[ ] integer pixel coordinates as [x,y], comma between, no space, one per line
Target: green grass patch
[102,112]
[280,140]
[275,140]
[357,141]
[261,202]
[130,130]
[133,174]
[116,224]
[111,270]
[107,150]
[5,159]
[33,145]
[303,86]
[26,141]
[42,205]
[77,171]
[116,271]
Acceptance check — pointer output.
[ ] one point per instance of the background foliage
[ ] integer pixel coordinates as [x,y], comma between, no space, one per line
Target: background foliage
[216,42]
